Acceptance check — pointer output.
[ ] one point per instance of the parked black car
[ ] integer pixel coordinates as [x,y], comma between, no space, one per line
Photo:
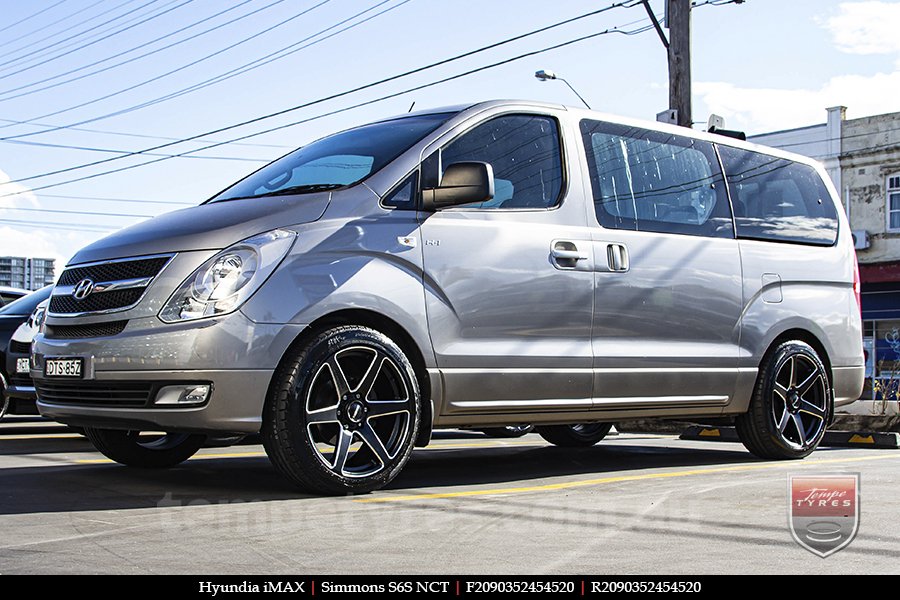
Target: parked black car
[16,389]
[10,294]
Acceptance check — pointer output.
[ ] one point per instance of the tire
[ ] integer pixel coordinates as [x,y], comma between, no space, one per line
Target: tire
[510,431]
[348,386]
[576,435]
[791,404]
[4,399]
[159,452]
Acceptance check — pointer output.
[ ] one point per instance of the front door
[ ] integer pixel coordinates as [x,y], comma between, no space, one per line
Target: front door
[668,295]
[509,282]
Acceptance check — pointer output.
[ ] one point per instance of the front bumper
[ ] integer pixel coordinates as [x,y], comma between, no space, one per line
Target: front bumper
[235,404]
[122,375]
[19,387]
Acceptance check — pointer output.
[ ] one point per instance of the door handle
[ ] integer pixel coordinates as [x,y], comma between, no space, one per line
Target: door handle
[566,254]
[617,257]
[569,254]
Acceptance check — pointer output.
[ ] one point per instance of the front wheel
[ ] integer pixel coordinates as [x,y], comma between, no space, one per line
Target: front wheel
[343,412]
[790,406]
[152,451]
[576,435]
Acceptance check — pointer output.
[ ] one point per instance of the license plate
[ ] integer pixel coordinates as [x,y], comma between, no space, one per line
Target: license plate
[63,367]
[23,365]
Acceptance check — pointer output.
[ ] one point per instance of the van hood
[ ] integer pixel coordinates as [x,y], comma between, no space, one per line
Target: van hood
[206,227]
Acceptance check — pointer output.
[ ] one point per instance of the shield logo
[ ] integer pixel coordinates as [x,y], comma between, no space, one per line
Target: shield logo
[824,511]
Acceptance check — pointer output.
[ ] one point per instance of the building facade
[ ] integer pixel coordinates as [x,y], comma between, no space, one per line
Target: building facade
[27,273]
[862,157]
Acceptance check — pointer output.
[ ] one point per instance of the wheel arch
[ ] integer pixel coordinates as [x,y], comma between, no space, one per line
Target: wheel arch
[395,331]
[802,335]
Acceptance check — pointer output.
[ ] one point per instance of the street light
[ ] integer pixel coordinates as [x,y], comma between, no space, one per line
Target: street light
[545,74]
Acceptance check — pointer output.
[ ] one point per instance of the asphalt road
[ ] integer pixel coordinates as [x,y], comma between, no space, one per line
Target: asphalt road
[466,505]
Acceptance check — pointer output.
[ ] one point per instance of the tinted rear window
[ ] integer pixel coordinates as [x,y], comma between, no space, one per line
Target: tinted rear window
[777,199]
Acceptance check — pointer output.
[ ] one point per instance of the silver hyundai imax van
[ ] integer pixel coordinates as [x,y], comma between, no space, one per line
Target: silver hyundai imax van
[477,266]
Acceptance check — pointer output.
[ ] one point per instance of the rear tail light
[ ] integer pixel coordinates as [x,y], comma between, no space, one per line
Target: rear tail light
[856,284]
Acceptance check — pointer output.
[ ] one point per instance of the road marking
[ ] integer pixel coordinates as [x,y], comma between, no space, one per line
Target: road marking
[40,436]
[621,478]
[492,445]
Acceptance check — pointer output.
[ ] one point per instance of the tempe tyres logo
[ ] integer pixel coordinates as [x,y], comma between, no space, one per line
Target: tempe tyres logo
[824,511]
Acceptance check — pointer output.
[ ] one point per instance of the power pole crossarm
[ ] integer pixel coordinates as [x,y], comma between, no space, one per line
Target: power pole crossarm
[679,21]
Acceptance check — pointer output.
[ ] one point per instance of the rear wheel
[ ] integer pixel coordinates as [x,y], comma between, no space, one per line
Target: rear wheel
[791,404]
[343,412]
[152,451]
[576,435]
[510,431]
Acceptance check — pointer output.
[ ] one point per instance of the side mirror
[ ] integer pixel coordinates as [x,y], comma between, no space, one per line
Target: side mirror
[462,183]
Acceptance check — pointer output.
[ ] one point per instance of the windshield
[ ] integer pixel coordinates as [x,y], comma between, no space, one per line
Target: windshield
[26,304]
[336,161]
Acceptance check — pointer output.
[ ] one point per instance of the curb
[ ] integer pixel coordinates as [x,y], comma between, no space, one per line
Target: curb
[843,439]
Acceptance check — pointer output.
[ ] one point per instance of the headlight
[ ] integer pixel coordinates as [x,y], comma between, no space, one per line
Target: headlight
[36,320]
[224,282]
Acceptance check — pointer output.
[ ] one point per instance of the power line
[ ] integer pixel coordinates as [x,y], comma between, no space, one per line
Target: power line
[254,64]
[125,200]
[345,109]
[43,28]
[173,71]
[130,50]
[112,151]
[627,4]
[97,41]
[86,227]
[33,52]
[31,16]
[75,212]
[130,134]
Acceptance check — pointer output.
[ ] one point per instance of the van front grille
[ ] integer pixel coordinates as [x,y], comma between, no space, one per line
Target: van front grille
[103,301]
[105,287]
[115,271]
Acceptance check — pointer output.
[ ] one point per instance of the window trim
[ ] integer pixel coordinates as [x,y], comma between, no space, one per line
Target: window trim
[713,164]
[837,236]
[414,173]
[888,190]
[563,158]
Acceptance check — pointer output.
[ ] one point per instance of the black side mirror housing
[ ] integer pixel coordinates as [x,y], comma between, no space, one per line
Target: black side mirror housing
[462,183]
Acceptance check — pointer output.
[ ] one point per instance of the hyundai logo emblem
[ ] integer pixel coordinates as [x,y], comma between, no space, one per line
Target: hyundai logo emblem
[83,289]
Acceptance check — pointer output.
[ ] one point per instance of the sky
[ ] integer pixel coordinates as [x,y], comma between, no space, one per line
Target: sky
[83,81]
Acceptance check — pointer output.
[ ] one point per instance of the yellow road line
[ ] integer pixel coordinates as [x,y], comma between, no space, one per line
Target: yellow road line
[39,436]
[622,478]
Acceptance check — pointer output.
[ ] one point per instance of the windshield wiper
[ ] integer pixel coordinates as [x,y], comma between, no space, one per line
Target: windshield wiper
[294,189]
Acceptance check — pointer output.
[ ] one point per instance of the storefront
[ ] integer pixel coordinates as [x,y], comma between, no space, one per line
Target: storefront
[881,330]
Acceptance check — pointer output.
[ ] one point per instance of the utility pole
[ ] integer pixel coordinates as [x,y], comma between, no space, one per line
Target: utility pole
[679,48]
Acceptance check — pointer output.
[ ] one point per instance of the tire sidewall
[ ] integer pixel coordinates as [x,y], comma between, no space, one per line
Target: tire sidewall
[773,366]
[303,375]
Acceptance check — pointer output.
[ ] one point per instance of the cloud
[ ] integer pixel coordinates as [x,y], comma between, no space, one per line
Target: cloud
[759,110]
[865,27]
[29,239]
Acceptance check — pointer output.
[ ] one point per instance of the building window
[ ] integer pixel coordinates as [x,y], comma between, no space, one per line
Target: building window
[893,202]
